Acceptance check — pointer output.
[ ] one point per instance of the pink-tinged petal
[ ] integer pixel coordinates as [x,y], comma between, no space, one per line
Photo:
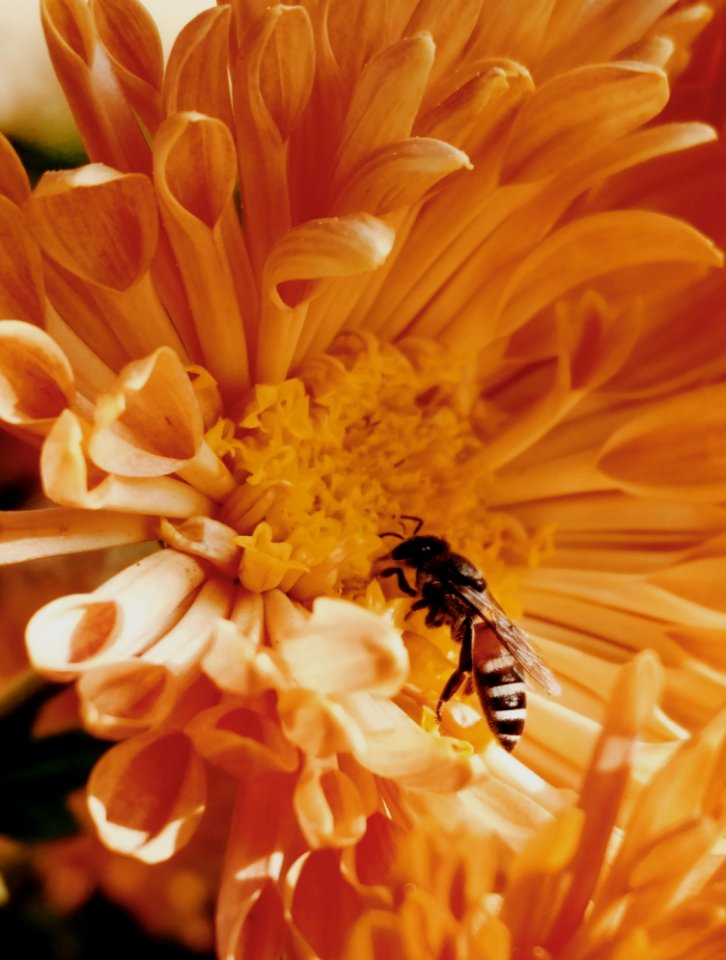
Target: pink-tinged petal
[340,648]
[262,834]
[30,534]
[328,806]
[65,474]
[243,742]
[399,749]
[120,618]
[146,796]
[318,725]
[36,379]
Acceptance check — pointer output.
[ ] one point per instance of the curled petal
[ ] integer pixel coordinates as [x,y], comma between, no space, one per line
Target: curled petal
[36,379]
[287,66]
[652,238]
[341,648]
[329,808]
[398,174]
[334,247]
[324,930]
[131,40]
[66,480]
[167,782]
[243,742]
[396,747]
[237,664]
[120,618]
[579,112]
[318,725]
[205,538]
[386,99]
[99,224]
[150,425]
[195,202]
[196,76]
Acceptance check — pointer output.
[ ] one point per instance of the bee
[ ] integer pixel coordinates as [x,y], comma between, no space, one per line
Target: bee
[495,654]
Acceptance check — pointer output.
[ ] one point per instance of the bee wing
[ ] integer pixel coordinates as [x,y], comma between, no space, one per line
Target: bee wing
[514,640]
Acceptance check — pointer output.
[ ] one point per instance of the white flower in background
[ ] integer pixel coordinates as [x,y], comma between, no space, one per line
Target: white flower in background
[33,108]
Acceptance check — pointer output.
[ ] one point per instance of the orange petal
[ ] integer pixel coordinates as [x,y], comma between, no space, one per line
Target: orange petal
[194,202]
[36,380]
[64,471]
[196,76]
[131,40]
[30,534]
[106,123]
[120,618]
[654,453]
[577,113]
[342,648]
[22,293]
[398,174]
[652,238]
[243,742]
[150,425]
[146,796]
[325,930]
[329,808]
[385,101]
[14,182]
[262,832]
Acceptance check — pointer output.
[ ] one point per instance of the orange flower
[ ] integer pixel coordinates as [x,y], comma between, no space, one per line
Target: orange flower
[336,265]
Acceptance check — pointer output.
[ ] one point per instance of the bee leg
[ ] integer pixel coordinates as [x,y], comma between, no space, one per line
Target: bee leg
[463,635]
[403,584]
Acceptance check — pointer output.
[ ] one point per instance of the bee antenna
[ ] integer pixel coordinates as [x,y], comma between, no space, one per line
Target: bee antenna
[417,520]
[390,533]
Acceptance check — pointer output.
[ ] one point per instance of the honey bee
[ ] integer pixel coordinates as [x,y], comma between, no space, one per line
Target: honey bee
[495,654]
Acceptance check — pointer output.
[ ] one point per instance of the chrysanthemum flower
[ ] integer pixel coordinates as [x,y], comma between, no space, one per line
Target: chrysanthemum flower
[337,265]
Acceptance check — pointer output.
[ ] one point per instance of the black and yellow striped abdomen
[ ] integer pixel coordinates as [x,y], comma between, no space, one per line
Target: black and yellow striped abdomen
[503,697]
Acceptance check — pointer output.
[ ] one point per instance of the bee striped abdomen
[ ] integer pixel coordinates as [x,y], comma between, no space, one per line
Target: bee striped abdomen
[502,693]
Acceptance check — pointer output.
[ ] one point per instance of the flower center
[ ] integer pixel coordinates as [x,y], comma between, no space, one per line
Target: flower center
[364,436]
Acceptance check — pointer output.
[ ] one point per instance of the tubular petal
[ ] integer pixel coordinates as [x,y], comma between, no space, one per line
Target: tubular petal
[328,806]
[147,796]
[28,535]
[36,380]
[151,425]
[120,618]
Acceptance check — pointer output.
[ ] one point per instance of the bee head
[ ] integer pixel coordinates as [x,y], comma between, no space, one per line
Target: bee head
[418,550]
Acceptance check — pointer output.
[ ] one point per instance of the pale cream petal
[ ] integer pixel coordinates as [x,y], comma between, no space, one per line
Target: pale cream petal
[167,782]
[341,648]
[318,725]
[121,618]
[66,481]
[36,379]
[243,742]
[328,807]
[30,534]
[205,538]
